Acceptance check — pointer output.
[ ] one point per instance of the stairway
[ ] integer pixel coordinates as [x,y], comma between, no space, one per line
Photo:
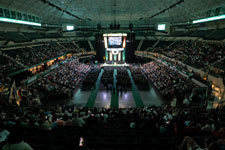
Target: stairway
[155,43]
[61,45]
[172,44]
[139,45]
[90,45]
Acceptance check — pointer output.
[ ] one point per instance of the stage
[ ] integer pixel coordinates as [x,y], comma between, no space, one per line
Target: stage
[115,65]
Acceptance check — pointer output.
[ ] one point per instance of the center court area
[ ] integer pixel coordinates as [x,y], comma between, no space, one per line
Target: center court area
[109,91]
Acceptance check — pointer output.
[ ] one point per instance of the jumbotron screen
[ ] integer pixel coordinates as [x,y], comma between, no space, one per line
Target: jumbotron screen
[114,41]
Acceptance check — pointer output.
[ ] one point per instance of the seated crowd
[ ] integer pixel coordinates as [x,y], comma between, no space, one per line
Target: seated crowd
[45,90]
[107,77]
[32,55]
[170,83]
[70,74]
[128,128]
[188,72]
[123,79]
[59,83]
[138,76]
[8,66]
[197,54]
[91,78]
[70,46]
[77,67]
[5,83]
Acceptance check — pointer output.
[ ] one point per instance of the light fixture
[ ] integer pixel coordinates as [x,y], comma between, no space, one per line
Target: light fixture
[209,19]
[69,27]
[19,21]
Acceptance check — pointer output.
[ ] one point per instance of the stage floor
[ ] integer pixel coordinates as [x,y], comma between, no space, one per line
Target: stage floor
[115,65]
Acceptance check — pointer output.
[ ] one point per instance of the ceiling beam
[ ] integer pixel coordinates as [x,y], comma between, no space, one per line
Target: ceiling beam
[60,9]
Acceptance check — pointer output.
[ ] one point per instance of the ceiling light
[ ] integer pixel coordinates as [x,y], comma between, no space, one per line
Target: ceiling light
[209,19]
[19,21]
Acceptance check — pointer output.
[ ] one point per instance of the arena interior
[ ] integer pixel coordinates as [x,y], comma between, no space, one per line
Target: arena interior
[112,74]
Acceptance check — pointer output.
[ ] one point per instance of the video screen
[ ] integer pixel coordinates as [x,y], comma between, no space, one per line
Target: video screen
[161,27]
[115,41]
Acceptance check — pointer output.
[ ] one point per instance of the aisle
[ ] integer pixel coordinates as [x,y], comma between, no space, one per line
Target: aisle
[103,99]
[94,92]
[126,100]
[114,97]
[151,97]
[136,95]
[80,98]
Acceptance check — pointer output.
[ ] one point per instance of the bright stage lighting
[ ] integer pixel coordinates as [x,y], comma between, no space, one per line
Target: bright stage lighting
[124,42]
[114,34]
[19,21]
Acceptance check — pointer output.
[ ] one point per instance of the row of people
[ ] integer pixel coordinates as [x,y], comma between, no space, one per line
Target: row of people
[160,120]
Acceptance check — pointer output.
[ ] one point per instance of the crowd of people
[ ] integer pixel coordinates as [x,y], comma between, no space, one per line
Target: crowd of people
[190,73]
[172,85]
[70,46]
[8,66]
[107,77]
[77,67]
[138,76]
[197,54]
[91,78]
[123,82]
[46,91]
[32,55]
[163,121]
[59,83]
[69,74]
[123,79]
[5,83]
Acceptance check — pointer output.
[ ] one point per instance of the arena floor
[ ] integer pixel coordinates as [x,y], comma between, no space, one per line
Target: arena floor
[115,99]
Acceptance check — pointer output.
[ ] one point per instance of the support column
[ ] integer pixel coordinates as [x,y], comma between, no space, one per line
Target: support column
[106,55]
[119,56]
[115,57]
[124,55]
[110,56]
